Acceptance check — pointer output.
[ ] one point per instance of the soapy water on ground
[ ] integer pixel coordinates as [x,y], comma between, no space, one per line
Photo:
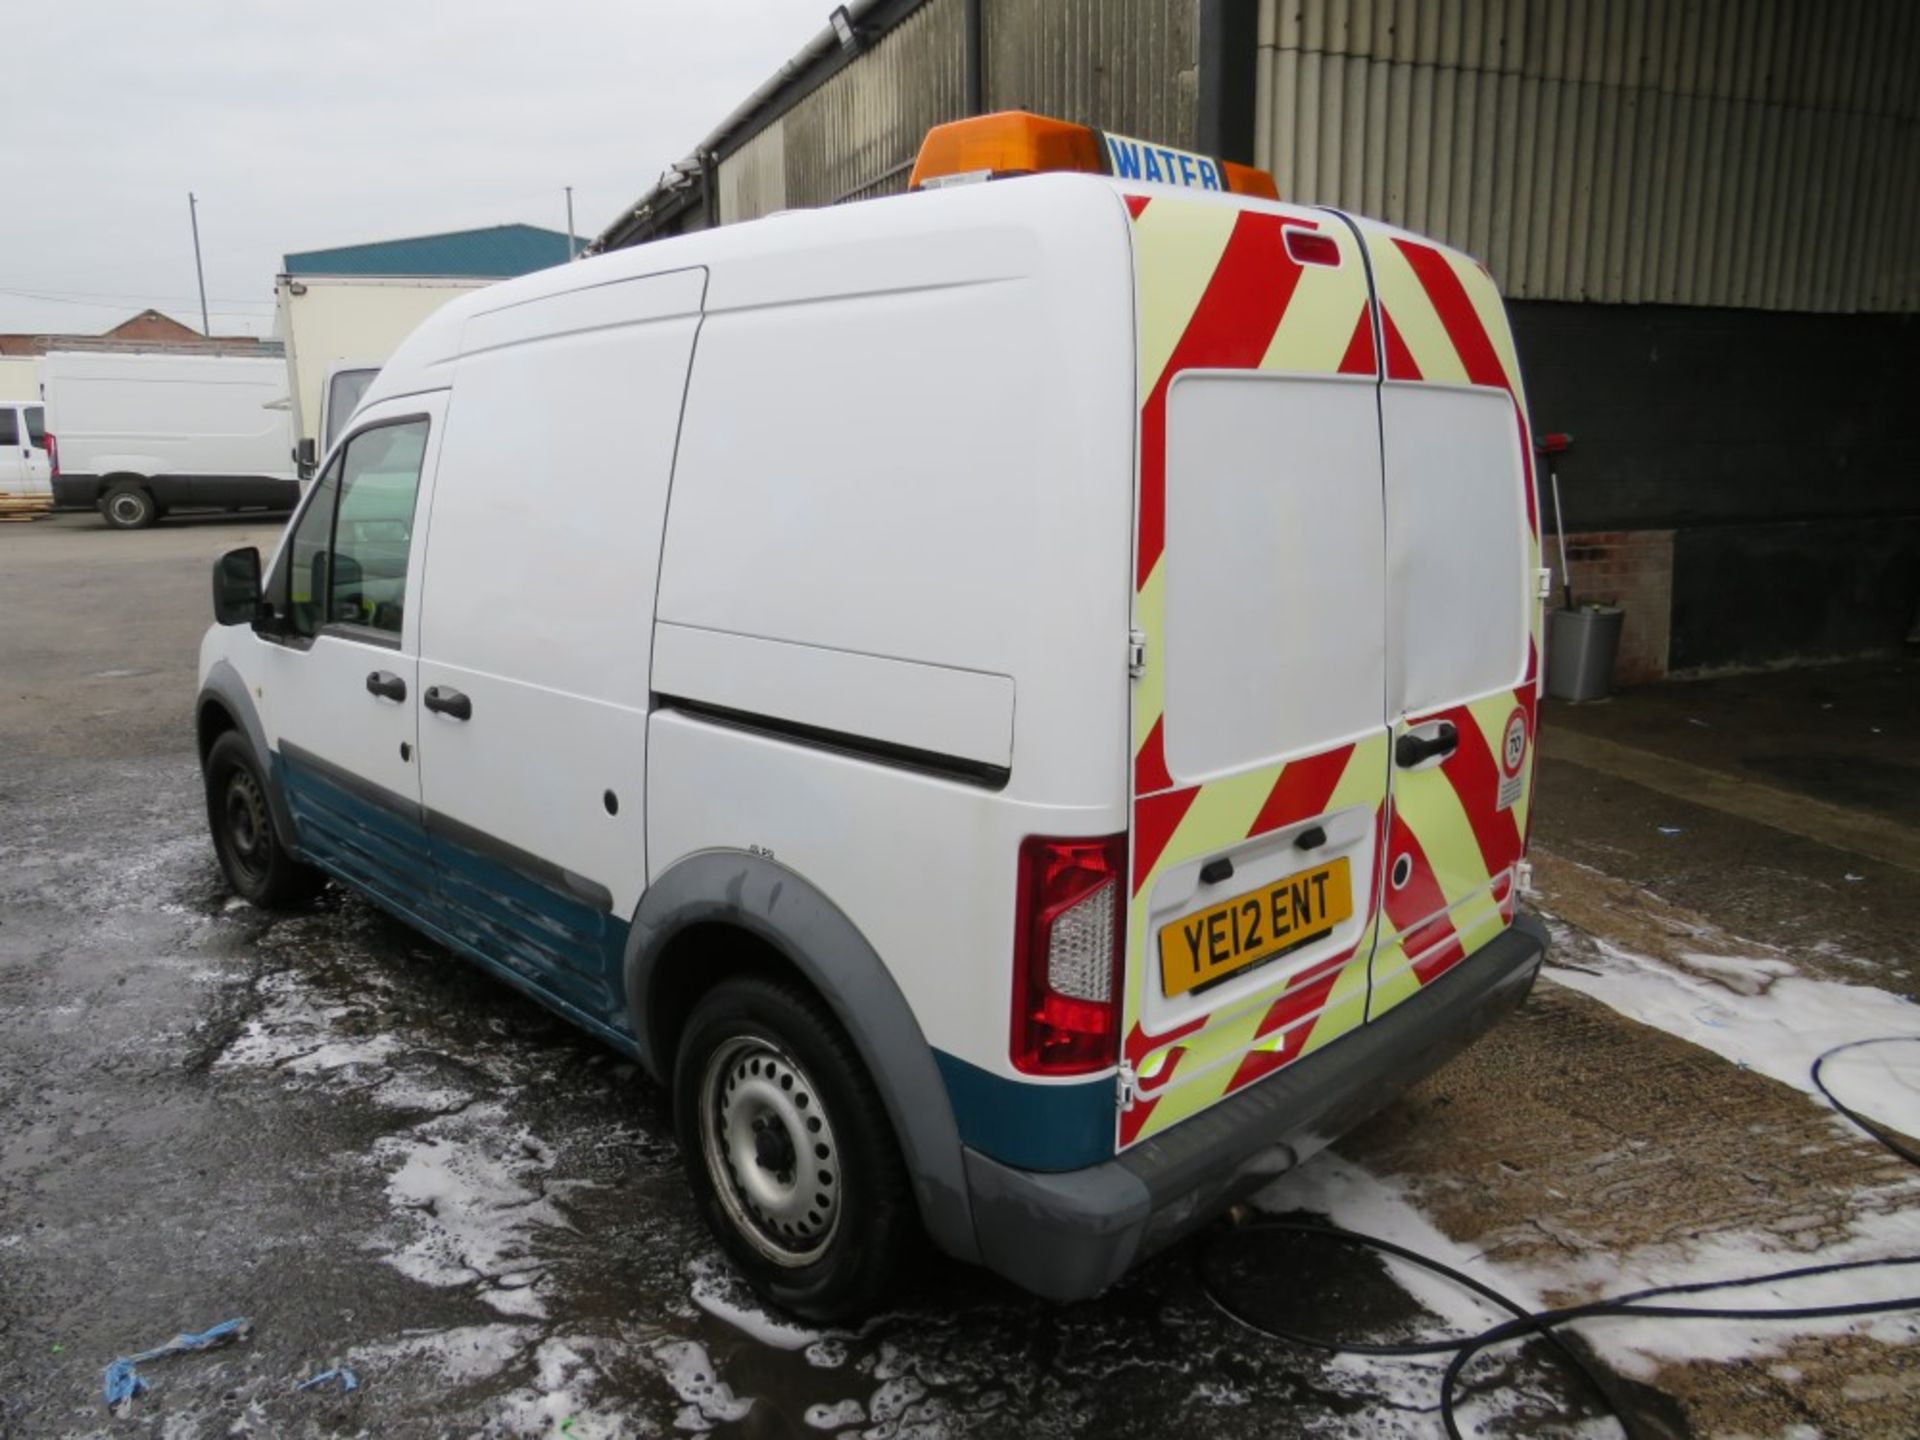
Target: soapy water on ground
[1762,1013]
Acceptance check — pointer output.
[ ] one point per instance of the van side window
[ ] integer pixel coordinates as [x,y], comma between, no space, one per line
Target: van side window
[306,559]
[37,426]
[373,531]
[9,426]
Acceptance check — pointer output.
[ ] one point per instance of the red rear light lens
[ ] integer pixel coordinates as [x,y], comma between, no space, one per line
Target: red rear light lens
[53,455]
[1308,248]
[1068,940]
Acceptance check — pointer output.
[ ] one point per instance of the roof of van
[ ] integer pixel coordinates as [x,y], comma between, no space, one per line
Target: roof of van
[839,250]
[498,252]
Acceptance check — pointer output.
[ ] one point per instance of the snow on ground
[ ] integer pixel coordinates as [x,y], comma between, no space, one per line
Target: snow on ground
[1761,1013]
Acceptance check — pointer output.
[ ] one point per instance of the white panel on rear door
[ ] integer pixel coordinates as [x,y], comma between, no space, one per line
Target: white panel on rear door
[1274,604]
[1456,544]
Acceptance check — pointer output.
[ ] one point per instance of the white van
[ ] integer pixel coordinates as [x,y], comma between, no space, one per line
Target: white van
[26,460]
[1015,701]
[146,432]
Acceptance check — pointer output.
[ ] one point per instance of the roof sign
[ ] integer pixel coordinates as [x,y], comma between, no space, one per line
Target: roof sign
[1014,142]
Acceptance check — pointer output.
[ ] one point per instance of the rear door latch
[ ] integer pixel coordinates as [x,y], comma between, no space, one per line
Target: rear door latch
[1136,653]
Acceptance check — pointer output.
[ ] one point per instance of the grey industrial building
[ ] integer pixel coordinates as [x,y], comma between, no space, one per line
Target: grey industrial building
[1705,212]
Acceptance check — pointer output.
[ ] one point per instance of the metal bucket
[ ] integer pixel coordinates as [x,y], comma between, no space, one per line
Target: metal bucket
[1581,646]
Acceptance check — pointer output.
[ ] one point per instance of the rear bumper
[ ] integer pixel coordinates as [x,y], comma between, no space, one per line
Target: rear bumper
[1069,1235]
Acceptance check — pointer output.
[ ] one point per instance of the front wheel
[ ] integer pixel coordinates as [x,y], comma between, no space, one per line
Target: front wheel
[256,865]
[790,1151]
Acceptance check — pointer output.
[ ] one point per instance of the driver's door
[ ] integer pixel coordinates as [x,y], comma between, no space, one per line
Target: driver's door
[341,681]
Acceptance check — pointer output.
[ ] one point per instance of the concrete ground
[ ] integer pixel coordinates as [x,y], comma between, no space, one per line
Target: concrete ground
[385,1161]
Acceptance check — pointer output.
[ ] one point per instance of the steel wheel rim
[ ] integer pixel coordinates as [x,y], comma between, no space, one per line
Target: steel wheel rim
[126,508]
[770,1150]
[249,833]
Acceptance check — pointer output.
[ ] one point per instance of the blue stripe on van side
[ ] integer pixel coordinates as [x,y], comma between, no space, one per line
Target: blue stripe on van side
[370,839]
[1034,1127]
[553,938]
[552,944]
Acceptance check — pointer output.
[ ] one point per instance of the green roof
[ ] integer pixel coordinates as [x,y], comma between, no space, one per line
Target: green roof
[496,253]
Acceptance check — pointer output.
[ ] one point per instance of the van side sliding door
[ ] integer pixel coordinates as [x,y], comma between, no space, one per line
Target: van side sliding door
[537,633]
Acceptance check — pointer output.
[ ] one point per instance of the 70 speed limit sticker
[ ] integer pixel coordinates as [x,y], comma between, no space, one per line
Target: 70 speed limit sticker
[1513,757]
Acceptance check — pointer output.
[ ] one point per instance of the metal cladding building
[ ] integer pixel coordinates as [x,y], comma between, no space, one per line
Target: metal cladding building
[1705,212]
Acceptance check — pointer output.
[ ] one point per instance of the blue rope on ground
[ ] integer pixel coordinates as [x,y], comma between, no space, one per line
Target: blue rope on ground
[349,1382]
[122,1381]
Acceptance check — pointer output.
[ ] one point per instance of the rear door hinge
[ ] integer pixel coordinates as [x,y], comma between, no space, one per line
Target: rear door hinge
[1136,653]
[1542,583]
[1126,1087]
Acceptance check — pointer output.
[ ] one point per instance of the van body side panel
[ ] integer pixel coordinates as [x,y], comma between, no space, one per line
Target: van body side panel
[903,496]
[1259,558]
[1464,614]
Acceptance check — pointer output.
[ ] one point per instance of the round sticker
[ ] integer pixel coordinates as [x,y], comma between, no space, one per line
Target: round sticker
[1513,748]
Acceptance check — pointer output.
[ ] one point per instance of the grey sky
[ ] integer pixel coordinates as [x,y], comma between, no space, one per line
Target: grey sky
[301,125]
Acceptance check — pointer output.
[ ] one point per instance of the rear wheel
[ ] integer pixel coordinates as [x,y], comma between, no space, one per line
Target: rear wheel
[256,865]
[128,506]
[790,1151]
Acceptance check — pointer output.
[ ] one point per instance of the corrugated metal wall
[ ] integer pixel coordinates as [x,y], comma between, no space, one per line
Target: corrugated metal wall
[1758,153]
[857,134]
[1126,65]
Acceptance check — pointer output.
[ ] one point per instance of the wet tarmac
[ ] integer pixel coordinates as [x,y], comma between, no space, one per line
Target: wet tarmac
[388,1162]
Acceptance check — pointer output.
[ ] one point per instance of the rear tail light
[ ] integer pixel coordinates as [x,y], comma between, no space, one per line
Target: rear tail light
[1066,955]
[53,454]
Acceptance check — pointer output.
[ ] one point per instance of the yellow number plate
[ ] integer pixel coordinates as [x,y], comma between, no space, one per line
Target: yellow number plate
[1235,933]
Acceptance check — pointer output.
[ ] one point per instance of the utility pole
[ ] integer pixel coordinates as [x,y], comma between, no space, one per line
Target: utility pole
[193,214]
[570,254]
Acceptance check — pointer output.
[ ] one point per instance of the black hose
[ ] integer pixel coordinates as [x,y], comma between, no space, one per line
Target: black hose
[1873,1128]
[1546,1323]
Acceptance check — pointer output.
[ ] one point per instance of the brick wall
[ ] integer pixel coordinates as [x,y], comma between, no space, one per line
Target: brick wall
[1633,569]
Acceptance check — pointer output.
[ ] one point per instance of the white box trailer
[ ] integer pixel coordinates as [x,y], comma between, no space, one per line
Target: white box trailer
[338,331]
[19,377]
[143,432]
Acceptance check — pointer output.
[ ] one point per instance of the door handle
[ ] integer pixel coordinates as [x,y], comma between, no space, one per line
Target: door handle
[1414,748]
[444,700]
[387,685]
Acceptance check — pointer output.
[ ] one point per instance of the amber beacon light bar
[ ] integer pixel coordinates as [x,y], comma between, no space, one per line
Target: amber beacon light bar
[1013,142]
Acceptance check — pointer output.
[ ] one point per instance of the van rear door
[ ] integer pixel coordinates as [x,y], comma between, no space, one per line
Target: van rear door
[1462,611]
[1260,731]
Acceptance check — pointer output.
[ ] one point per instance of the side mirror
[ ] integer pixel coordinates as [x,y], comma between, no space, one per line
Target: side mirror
[306,456]
[236,586]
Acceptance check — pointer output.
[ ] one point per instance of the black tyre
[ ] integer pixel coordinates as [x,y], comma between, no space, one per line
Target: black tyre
[790,1151]
[128,506]
[256,866]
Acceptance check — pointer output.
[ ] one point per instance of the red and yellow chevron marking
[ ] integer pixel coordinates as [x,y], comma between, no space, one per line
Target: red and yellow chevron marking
[1217,290]
[1442,322]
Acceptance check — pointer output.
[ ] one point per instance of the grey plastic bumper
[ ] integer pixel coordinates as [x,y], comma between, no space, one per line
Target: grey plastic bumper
[1069,1235]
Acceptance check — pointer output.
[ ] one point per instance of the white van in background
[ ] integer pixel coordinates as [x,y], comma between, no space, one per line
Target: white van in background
[1015,701]
[26,460]
[145,432]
